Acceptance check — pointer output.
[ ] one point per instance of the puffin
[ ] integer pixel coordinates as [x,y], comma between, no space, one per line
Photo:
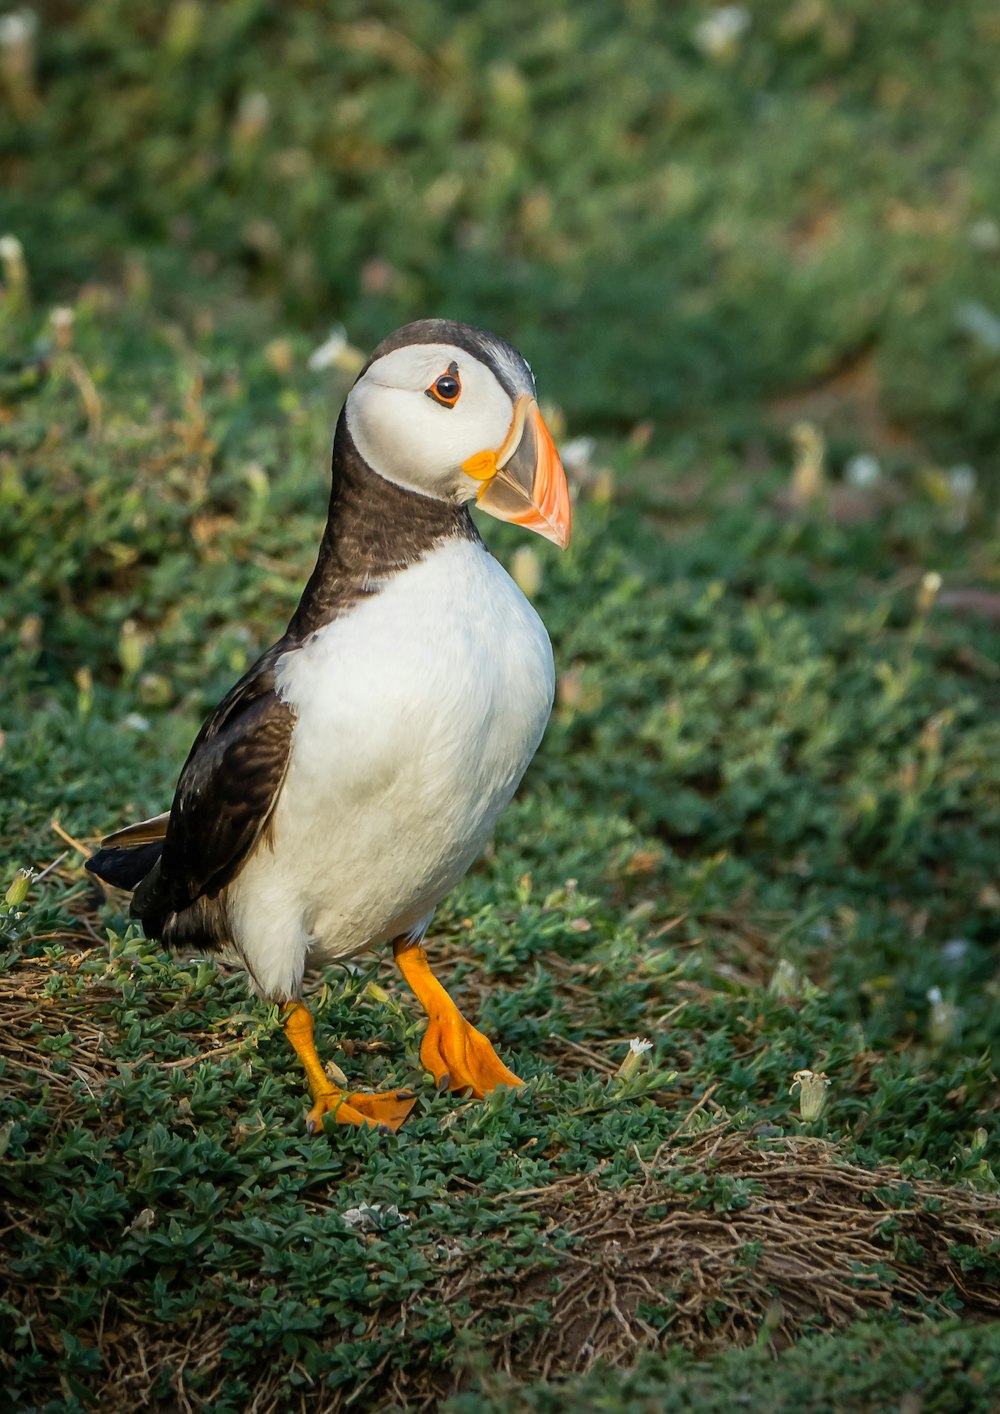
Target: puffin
[350,778]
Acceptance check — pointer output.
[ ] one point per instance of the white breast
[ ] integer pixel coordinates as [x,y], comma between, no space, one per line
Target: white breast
[417,713]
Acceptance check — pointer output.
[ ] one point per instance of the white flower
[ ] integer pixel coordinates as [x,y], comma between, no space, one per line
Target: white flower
[980,323]
[62,319]
[327,354]
[253,112]
[945,1018]
[526,570]
[18,890]
[961,489]
[930,588]
[812,1086]
[11,249]
[961,481]
[786,980]
[629,1067]
[719,34]
[984,234]
[15,269]
[17,29]
[578,453]
[954,951]
[863,471]
[336,352]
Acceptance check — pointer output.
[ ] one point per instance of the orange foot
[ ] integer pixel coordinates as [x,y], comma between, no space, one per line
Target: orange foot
[457,1055]
[461,1058]
[379,1111]
[382,1110]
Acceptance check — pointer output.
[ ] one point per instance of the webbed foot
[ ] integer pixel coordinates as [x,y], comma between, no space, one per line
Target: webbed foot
[457,1055]
[377,1109]
[384,1109]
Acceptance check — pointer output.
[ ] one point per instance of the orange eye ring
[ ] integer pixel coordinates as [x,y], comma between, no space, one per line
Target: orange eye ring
[447,389]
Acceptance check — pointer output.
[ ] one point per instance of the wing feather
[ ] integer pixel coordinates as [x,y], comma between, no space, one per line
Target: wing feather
[142,832]
[225,796]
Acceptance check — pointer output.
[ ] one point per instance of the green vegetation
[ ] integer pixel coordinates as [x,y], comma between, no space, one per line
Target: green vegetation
[762,827]
[943,1369]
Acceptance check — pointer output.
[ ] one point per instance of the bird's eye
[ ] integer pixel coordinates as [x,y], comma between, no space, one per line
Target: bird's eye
[447,389]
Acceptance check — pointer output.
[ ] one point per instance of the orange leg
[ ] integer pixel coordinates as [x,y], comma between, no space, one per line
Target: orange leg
[387,1110]
[457,1055]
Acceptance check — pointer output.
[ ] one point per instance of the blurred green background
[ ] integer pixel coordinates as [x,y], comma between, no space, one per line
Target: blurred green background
[680,211]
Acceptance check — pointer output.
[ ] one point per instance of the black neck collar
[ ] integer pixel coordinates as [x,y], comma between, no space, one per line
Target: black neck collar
[374,529]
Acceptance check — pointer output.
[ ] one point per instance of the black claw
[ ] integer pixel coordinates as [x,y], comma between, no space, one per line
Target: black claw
[444,1084]
[384,1129]
[405,1095]
[311,1126]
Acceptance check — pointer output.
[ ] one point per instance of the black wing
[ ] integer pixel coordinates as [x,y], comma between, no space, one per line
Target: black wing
[225,795]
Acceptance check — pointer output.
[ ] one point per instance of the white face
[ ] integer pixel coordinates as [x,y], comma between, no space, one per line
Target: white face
[419,441]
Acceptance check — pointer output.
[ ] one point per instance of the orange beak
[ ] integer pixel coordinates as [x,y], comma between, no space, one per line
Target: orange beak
[524,481]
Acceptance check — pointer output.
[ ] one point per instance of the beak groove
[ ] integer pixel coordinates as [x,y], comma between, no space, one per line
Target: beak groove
[529,486]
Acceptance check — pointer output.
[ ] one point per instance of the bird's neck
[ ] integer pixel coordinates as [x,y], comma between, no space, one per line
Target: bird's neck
[375,528]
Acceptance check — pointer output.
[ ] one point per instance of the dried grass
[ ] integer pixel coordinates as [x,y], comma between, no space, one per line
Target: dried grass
[821,1264]
[819,1243]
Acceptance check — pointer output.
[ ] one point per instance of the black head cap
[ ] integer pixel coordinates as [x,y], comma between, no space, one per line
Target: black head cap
[511,368]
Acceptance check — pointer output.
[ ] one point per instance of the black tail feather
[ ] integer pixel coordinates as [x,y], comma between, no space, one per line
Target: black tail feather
[125,867]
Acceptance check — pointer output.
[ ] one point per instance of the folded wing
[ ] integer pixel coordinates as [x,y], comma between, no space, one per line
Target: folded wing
[225,797]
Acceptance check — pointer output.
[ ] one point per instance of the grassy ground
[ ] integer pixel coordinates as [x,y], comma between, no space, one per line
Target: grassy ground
[762,828]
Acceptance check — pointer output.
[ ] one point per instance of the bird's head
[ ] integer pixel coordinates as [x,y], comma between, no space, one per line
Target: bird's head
[449,411]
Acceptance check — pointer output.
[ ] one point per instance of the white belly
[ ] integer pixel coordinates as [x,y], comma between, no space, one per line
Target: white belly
[417,714]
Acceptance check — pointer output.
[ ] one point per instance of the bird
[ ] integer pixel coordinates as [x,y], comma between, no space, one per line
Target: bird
[352,776]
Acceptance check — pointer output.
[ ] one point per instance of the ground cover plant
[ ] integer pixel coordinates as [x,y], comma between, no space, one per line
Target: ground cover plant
[762,829]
